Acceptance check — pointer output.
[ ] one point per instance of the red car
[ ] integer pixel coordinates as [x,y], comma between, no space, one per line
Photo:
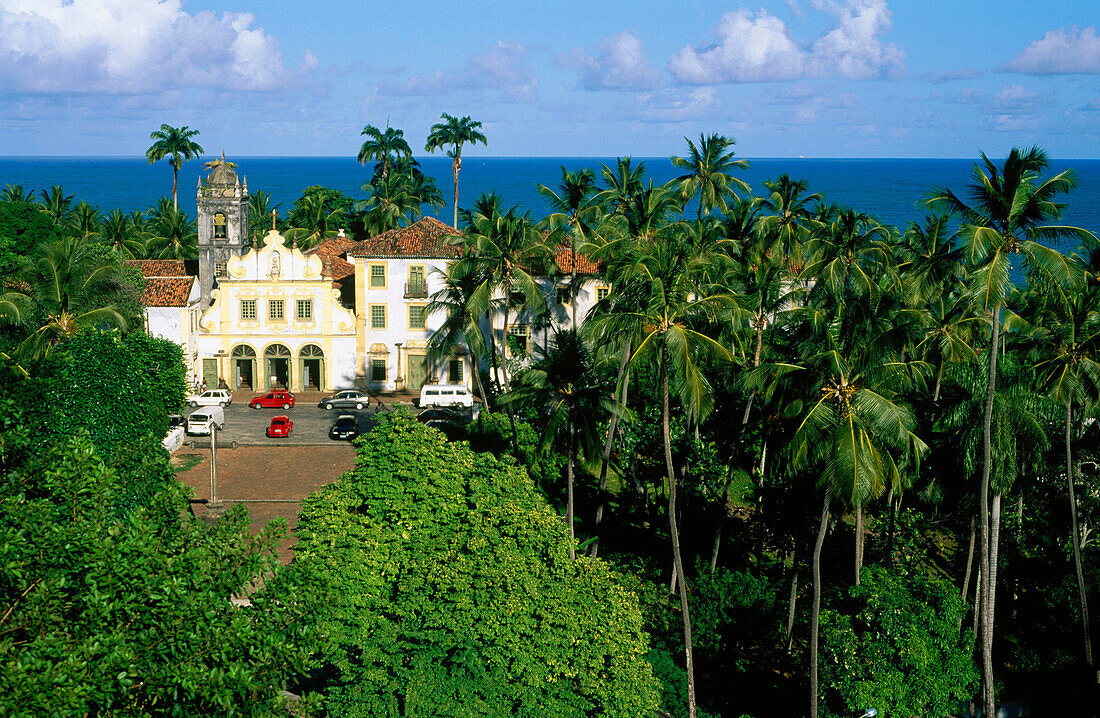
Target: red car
[280,426]
[276,399]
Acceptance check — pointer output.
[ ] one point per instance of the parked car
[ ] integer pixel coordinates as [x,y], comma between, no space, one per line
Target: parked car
[445,395]
[200,421]
[211,397]
[276,399]
[346,399]
[281,425]
[346,428]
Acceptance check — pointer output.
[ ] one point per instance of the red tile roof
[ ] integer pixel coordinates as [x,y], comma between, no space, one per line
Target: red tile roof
[158,267]
[563,257]
[422,239]
[166,291]
[332,252]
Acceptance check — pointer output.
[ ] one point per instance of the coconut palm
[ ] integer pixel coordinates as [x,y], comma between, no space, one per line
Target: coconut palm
[259,212]
[117,230]
[709,165]
[85,220]
[177,145]
[1007,215]
[929,260]
[460,329]
[665,314]
[313,224]
[620,184]
[574,218]
[950,328]
[15,193]
[455,132]
[1067,353]
[788,216]
[57,205]
[383,147]
[173,235]
[565,384]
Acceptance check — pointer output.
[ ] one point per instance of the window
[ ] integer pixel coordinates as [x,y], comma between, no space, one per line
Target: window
[248,309]
[454,371]
[602,292]
[219,269]
[561,295]
[377,276]
[378,316]
[219,225]
[305,310]
[518,337]
[276,310]
[417,315]
[377,369]
[418,285]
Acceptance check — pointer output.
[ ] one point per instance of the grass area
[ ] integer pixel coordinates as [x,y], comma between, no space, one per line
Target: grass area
[184,462]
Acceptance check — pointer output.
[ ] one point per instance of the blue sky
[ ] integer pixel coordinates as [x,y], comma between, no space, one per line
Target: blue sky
[814,78]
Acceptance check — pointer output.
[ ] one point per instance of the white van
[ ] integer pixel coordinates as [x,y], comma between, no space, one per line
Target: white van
[200,421]
[445,395]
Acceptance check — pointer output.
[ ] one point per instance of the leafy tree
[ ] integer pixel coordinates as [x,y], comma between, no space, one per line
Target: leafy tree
[23,230]
[453,593]
[259,213]
[455,132]
[895,646]
[118,231]
[127,612]
[397,198]
[57,205]
[177,145]
[15,192]
[318,214]
[173,234]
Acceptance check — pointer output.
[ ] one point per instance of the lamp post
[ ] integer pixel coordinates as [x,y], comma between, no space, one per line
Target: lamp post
[399,382]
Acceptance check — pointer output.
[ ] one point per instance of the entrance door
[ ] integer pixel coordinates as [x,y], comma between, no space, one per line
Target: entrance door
[278,373]
[417,372]
[243,374]
[311,374]
[210,373]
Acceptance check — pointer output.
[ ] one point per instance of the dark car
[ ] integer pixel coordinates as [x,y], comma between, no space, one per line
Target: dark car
[281,425]
[346,399]
[277,399]
[346,428]
[440,417]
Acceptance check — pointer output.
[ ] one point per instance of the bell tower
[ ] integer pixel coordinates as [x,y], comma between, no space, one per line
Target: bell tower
[222,223]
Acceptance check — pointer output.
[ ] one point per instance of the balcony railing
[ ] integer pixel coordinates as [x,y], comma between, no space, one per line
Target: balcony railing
[416,290]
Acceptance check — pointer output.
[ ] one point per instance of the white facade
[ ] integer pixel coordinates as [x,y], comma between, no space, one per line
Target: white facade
[276,321]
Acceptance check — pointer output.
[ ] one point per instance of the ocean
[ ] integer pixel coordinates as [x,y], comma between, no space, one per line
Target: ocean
[889,189]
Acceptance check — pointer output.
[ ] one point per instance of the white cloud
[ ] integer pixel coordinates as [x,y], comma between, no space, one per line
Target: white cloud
[761,48]
[501,67]
[1017,98]
[134,46]
[618,64]
[675,106]
[1060,52]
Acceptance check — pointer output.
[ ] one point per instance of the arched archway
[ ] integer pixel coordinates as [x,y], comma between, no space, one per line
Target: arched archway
[243,361]
[311,366]
[277,366]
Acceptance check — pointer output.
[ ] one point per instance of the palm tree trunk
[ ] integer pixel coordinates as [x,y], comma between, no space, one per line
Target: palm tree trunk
[674,529]
[989,584]
[456,165]
[175,182]
[939,383]
[890,526]
[791,603]
[569,493]
[476,368]
[859,541]
[969,566]
[815,613]
[609,444]
[1075,538]
[504,336]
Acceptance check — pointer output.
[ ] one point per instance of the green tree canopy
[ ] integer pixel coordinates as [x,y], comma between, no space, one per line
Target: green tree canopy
[455,594]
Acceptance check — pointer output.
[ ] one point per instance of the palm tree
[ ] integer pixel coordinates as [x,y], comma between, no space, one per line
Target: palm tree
[1007,216]
[383,147]
[175,143]
[1067,348]
[173,235]
[708,176]
[565,383]
[460,328]
[57,205]
[85,220]
[117,230]
[573,215]
[665,315]
[788,216]
[620,184]
[929,260]
[313,224]
[71,288]
[455,132]
[15,193]
[259,211]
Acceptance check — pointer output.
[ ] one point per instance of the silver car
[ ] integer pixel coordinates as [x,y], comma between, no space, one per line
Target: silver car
[347,399]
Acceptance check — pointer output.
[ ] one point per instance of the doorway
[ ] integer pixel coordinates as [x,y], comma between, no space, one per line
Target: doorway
[244,367]
[277,363]
[416,372]
[210,373]
[313,367]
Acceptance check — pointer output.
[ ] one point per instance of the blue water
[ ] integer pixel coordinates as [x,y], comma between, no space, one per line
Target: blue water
[888,189]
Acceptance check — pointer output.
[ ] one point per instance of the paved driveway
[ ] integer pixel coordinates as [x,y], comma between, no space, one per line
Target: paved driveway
[311,423]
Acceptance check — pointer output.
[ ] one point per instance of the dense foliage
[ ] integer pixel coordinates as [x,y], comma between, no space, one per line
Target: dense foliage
[455,594]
